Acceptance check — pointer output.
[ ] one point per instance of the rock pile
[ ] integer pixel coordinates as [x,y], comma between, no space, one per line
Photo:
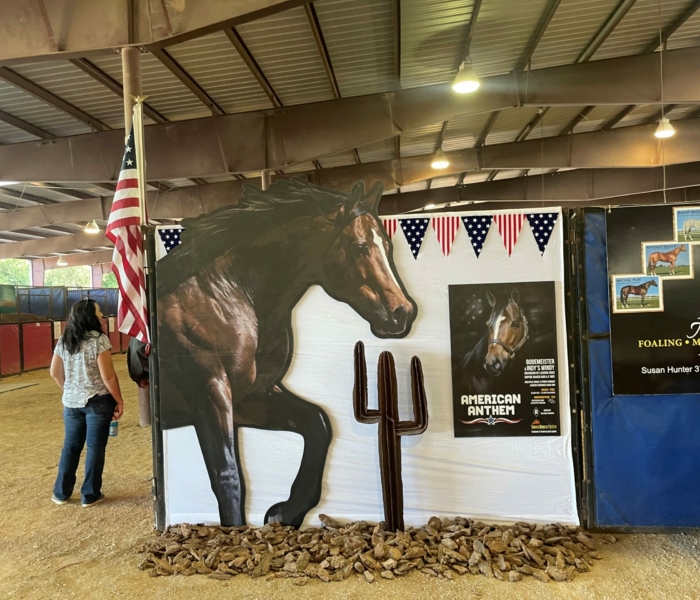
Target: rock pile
[442,548]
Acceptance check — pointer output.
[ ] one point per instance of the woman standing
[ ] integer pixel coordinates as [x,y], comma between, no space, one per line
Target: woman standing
[82,367]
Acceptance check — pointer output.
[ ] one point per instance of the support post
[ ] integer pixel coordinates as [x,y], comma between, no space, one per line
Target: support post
[97,273]
[131,75]
[37,272]
[265,178]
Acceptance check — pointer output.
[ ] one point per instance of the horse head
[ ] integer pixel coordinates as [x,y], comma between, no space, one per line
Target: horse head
[359,268]
[507,332]
[653,283]
[683,248]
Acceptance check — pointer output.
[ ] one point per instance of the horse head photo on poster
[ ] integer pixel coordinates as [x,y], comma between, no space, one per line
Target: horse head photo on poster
[225,300]
[507,332]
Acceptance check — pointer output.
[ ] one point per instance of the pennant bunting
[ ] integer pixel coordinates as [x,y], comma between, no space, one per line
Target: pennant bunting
[542,225]
[446,230]
[170,237]
[414,230]
[390,226]
[509,227]
[477,227]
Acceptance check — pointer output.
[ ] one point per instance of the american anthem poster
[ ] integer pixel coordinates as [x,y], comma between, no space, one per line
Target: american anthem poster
[504,359]
[654,291]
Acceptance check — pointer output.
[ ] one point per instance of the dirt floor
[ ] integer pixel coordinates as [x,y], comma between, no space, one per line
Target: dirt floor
[49,551]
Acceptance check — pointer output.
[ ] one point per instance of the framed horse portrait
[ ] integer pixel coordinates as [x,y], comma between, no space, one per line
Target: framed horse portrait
[672,260]
[637,293]
[686,224]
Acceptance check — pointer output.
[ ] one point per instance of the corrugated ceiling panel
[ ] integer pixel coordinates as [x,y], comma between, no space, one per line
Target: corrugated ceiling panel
[503,30]
[26,107]
[596,118]
[441,182]
[284,47]
[475,178]
[87,187]
[647,112]
[342,159]
[359,35]
[214,64]
[509,124]
[413,187]
[432,35]
[381,150]
[165,92]
[508,174]
[420,141]
[300,168]
[219,178]
[554,121]
[462,132]
[40,192]
[640,28]
[79,89]
[572,28]
[12,135]
[687,35]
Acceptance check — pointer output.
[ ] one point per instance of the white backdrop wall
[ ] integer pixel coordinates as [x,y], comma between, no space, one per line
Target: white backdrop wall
[490,479]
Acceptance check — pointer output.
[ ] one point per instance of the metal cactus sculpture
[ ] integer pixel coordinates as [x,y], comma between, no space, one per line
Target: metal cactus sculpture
[390,427]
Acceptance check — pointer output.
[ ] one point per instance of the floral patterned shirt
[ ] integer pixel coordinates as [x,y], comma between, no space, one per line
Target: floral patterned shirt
[83,380]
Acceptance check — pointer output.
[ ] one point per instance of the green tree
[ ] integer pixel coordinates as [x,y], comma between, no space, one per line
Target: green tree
[109,280]
[69,276]
[14,271]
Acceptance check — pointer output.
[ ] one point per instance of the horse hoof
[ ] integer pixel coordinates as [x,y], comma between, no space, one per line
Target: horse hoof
[277,514]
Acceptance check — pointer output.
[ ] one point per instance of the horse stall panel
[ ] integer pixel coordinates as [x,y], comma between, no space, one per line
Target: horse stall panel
[58,328]
[37,347]
[644,447]
[9,350]
[446,291]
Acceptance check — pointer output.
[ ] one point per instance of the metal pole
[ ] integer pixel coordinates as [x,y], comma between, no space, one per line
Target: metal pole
[140,157]
[154,380]
[131,74]
[265,178]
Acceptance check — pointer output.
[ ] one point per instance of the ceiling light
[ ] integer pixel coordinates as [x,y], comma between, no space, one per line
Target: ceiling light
[440,161]
[92,227]
[429,206]
[665,129]
[466,80]
[8,183]
[61,262]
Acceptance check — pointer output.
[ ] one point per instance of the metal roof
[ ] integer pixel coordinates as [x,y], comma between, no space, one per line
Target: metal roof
[365,47]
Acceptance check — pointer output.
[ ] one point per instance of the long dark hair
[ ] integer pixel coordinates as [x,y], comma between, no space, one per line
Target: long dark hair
[81,322]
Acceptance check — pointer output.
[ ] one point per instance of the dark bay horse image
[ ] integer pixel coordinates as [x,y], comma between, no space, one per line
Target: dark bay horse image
[635,290]
[225,300]
[506,333]
[666,257]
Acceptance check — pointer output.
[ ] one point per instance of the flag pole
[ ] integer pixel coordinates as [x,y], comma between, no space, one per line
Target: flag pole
[149,246]
[140,154]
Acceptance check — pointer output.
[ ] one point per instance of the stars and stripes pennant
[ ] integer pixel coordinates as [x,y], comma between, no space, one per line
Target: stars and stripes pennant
[542,225]
[414,230]
[509,226]
[390,225]
[446,230]
[477,227]
[123,228]
[170,237]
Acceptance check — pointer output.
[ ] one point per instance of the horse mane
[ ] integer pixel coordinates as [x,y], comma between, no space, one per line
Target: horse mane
[208,236]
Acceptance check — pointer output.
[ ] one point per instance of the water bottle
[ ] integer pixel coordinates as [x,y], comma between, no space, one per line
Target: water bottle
[114,429]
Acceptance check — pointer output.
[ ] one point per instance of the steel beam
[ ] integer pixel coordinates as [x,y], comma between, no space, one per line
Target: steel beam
[538,32]
[677,23]
[62,243]
[99,257]
[24,126]
[323,53]
[279,138]
[93,27]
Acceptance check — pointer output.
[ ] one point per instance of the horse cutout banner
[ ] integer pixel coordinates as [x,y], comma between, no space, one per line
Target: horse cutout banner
[260,308]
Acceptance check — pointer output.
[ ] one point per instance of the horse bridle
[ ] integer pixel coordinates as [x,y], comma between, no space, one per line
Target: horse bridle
[526,334]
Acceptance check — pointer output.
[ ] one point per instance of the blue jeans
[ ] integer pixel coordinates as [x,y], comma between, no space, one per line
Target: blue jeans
[91,424]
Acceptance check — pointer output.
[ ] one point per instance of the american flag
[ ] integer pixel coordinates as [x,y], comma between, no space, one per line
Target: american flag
[446,230]
[127,260]
[170,237]
[390,226]
[509,227]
